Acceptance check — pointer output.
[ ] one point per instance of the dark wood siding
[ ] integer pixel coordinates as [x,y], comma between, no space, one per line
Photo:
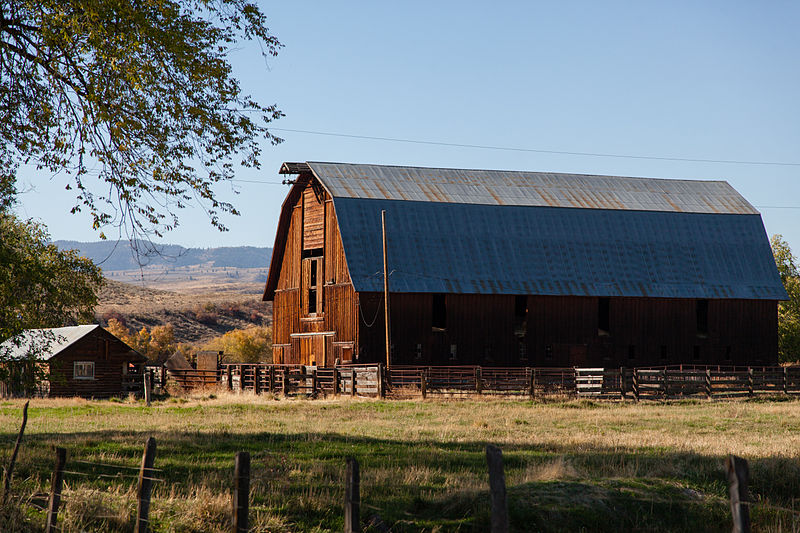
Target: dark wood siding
[563,331]
[107,353]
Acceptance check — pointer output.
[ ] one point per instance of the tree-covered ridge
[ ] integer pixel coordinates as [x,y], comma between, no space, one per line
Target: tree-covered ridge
[118,256]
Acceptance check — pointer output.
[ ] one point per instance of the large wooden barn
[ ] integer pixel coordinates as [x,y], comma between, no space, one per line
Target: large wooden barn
[85,361]
[519,268]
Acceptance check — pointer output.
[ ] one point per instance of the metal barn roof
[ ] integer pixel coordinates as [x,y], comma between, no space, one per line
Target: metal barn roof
[46,343]
[545,189]
[480,249]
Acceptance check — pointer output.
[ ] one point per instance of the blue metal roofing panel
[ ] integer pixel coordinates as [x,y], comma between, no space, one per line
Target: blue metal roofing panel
[481,249]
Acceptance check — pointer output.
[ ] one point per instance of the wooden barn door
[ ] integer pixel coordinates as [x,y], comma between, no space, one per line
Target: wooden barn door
[314,350]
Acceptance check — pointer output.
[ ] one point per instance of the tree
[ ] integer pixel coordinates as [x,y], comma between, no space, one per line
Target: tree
[135,101]
[788,311]
[250,345]
[40,287]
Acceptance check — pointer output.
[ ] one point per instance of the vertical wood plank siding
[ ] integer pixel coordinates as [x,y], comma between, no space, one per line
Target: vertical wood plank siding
[107,367]
[313,219]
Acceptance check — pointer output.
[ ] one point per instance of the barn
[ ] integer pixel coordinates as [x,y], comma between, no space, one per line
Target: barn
[85,361]
[501,268]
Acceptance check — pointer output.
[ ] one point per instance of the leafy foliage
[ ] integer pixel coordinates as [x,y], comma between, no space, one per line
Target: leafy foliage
[157,344]
[41,286]
[138,96]
[249,345]
[788,311]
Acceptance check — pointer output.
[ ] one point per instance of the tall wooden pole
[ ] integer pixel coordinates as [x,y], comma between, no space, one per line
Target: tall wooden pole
[386,292]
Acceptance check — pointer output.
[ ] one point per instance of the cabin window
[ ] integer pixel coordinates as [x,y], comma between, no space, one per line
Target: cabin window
[83,370]
[313,301]
[603,316]
[702,318]
[453,352]
[439,313]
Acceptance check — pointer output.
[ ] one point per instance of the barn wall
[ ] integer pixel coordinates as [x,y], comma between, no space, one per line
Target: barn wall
[107,367]
[330,334]
[563,331]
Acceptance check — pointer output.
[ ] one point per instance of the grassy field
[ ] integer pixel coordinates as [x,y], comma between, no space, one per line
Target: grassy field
[570,466]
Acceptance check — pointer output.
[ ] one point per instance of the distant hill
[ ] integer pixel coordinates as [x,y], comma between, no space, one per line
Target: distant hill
[110,255]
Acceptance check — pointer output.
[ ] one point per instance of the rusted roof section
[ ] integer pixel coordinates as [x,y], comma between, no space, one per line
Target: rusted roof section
[513,188]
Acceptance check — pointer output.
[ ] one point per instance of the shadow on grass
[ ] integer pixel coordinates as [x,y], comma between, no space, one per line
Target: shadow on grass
[425,485]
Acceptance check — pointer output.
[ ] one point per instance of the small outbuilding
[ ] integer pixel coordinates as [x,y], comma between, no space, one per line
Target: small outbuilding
[506,268]
[85,361]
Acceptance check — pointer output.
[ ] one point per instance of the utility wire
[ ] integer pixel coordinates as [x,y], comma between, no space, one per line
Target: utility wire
[540,150]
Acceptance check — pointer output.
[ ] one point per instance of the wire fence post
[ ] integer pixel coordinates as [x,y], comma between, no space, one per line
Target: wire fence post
[10,469]
[56,482]
[636,384]
[352,498]
[497,488]
[148,386]
[335,381]
[478,380]
[145,486]
[532,385]
[750,381]
[241,492]
[423,383]
[353,382]
[738,478]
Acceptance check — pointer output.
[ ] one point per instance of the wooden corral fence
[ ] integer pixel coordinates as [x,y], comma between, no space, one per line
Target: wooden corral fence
[398,381]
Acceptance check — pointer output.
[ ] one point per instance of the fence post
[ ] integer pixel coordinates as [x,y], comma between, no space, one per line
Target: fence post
[145,486]
[241,492]
[286,383]
[785,380]
[738,478]
[353,382]
[708,383]
[335,381]
[10,469]
[314,382]
[148,387]
[272,379]
[352,498]
[497,488]
[423,384]
[56,482]
[381,389]
[478,380]
[622,383]
[636,384]
[750,381]
[532,385]
[229,369]
[256,379]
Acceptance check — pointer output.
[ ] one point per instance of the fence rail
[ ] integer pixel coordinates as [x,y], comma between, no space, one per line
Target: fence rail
[653,383]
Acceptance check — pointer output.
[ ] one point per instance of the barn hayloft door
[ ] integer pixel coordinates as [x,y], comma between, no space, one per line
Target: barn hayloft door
[313,349]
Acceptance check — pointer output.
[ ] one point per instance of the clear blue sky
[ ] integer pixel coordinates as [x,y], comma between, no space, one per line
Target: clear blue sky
[699,80]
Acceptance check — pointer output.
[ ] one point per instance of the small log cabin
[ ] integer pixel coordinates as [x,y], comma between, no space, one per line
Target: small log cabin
[85,361]
[519,269]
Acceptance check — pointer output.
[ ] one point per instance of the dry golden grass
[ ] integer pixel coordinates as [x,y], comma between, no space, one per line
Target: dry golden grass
[569,465]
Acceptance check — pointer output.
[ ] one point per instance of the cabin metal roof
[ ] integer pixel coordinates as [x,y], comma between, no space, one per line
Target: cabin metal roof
[47,343]
[514,188]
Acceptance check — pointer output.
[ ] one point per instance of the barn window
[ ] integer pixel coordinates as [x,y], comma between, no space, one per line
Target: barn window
[603,317]
[418,352]
[702,318]
[83,370]
[439,313]
[453,352]
[520,315]
[313,302]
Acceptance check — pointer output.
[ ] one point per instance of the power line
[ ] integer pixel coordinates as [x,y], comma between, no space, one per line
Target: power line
[540,150]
